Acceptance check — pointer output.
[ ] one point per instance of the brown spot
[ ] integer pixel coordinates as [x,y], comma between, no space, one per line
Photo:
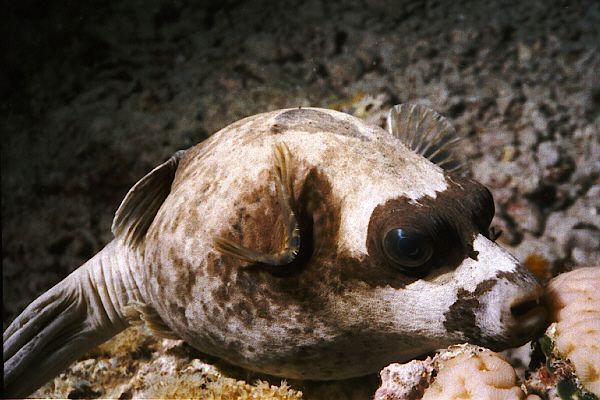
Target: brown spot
[451,220]
[460,318]
[221,294]
[243,312]
[516,277]
[176,222]
[371,273]
[234,346]
[294,331]
[315,121]
[217,268]
[276,129]
[192,222]
[191,282]
[539,265]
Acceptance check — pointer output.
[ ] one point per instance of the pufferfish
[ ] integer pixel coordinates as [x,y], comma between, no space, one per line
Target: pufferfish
[301,243]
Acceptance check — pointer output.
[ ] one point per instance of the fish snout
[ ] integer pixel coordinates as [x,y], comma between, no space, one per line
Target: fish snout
[504,296]
[526,315]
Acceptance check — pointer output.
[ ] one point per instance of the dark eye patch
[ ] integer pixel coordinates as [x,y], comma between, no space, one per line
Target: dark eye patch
[450,221]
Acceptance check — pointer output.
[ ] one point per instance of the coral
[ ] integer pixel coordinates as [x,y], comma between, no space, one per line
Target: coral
[135,364]
[203,382]
[480,374]
[460,372]
[575,302]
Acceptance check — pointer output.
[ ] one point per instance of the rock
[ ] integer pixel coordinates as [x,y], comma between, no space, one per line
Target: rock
[523,53]
[576,231]
[558,227]
[509,153]
[527,139]
[539,255]
[143,366]
[548,154]
[527,215]
[584,242]
[404,381]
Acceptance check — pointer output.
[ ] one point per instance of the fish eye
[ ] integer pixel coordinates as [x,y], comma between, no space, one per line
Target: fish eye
[407,250]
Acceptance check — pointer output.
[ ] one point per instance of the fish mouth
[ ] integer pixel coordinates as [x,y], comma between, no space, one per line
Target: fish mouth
[528,316]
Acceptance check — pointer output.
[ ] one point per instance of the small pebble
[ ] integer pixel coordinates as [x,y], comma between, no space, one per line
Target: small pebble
[527,215]
[548,154]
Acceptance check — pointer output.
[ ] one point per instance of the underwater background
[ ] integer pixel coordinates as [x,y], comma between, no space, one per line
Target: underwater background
[95,94]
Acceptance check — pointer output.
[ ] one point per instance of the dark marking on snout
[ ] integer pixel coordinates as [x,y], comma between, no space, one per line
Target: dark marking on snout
[460,318]
[519,277]
[314,121]
[451,221]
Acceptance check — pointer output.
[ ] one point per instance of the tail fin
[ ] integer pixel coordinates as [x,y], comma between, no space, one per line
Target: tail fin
[60,326]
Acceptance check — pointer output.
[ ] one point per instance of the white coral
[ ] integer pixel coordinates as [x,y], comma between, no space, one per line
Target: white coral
[575,302]
[461,372]
[477,373]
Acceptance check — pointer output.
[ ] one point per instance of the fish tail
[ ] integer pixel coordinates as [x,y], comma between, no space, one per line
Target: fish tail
[61,325]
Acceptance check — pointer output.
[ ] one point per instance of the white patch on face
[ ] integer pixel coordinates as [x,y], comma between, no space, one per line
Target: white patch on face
[432,301]
[490,260]
[489,315]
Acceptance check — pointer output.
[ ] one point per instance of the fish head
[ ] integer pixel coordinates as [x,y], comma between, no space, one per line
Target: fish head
[420,265]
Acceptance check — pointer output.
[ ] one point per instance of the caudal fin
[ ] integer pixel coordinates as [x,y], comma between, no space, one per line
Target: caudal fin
[59,327]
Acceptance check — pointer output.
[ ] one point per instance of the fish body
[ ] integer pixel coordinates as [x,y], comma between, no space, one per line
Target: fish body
[386,255]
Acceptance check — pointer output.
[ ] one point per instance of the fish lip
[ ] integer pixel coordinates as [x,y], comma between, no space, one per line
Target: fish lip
[526,316]
[521,305]
[529,316]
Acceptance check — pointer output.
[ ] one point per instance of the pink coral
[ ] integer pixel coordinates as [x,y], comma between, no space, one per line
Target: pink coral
[575,302]
[461,372]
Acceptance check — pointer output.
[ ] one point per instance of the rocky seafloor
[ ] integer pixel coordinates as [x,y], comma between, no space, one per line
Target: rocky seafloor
[97,94]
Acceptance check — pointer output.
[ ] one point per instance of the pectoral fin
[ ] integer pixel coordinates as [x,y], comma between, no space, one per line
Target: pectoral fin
[138,209]
[139,313]
[282,167]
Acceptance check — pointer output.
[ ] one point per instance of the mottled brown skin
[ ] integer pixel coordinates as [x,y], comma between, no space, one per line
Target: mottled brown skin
[301,320]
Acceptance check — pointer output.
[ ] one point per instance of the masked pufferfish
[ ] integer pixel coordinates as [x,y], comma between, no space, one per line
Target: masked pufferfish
[301,243]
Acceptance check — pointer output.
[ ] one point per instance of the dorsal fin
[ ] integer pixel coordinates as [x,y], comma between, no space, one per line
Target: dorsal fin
[427,133]
[140,205]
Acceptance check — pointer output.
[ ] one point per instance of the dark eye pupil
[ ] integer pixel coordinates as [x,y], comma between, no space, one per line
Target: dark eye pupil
[407,249]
